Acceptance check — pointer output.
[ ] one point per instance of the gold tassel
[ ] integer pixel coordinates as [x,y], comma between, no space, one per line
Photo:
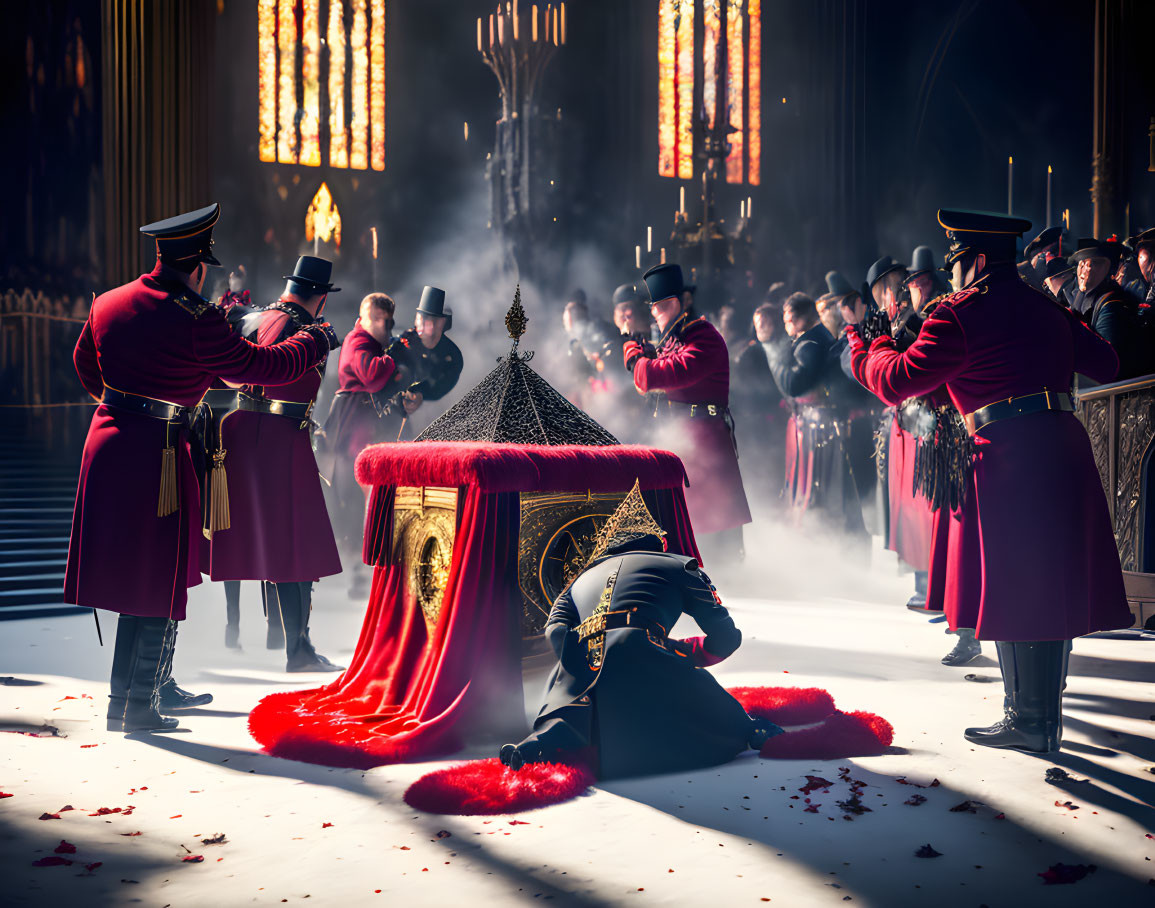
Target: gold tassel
[219,518]
[169,500]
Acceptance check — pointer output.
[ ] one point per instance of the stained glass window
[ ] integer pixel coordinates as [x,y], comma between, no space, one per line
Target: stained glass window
[321,101]
[682,67]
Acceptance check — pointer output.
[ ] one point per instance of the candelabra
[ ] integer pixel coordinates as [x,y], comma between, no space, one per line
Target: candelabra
[517,41]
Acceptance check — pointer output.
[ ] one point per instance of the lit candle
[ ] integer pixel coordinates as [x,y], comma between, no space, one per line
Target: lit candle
[749,199]
[535,22]
[555,41]
[1048,221]
[500,28]
[682,200]
[479,34]
[563,23]
[316,243]
[663,255]
[1010,182]
[649,239]
[491,29]
[373,230]
[467,131]
[742,210]
[515,20]
[637,256]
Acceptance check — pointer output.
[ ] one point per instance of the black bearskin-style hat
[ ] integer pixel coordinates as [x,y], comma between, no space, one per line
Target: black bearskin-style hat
[187,238]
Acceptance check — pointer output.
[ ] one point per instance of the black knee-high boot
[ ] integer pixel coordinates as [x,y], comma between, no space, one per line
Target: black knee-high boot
[300,656]
[172,696]
[142,712]
[275,636]
[233,614]
[1033,673]
[121,674]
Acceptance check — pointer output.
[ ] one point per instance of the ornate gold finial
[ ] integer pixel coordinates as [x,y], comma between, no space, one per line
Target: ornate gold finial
[515,319]
[632,518]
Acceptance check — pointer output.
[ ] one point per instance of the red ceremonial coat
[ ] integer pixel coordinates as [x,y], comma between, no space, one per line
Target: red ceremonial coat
[693,367]
[1041,548]
[279,526]
[910,514]
[138,339]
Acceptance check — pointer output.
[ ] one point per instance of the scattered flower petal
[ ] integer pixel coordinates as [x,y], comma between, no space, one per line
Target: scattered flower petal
[192,858]
[65,848]
[915,800]
[49,816]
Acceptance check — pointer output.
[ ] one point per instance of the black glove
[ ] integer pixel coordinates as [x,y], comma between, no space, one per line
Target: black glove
[875,324]
[324,332]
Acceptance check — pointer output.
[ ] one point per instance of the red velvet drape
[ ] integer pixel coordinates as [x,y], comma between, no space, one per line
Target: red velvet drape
[409,695]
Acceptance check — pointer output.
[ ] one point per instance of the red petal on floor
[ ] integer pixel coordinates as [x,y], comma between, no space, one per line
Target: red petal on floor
[49,816]
[5,794]
[91,867]
[785,705]
[488,787]
[52,862]
[65,848]
[130,833]
[857,734]
[192,858]
[326,825]
[814,783]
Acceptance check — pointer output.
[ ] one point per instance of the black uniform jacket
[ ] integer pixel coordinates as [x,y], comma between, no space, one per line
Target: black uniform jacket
[648,707]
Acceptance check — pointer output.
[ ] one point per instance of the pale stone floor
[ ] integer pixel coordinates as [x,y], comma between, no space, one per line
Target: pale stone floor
[728,836]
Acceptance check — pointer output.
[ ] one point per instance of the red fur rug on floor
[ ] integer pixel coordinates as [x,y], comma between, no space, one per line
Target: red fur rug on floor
[487,787]
[785,705]
[841,735]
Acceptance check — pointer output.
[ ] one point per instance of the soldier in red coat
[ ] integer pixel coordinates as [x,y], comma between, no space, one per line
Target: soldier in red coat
[691,368]
[368,408]
[279,528]
[1040,558]
[148,352]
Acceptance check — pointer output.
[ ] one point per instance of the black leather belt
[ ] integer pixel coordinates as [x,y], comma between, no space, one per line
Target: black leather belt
[145,406]
[290,409]
[1019,406]
[597,625]
[220,399]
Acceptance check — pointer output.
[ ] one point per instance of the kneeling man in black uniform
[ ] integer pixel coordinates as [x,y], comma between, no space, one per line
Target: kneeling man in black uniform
[624,697]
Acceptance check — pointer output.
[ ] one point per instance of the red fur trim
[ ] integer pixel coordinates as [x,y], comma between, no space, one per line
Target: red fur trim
[289,726]
[785,705]
[488,787]
[857,734]
[519,468]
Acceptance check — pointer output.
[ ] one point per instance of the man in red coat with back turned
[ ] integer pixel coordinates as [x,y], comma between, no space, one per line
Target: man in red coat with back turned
[149,351]
[279,528]
[1044,558]
[691,368]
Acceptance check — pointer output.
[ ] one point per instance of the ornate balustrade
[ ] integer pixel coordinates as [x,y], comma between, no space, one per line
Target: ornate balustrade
[1120,419]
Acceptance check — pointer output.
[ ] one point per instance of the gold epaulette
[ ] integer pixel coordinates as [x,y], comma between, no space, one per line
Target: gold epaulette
[193,303]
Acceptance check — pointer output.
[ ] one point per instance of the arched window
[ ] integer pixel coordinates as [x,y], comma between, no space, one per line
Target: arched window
[322,219]
[686,71]
[321,101]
